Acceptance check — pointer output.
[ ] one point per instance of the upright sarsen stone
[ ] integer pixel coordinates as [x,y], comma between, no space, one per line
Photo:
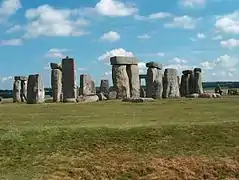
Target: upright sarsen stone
[69,87]
[56,84]
[186,83]
[133,74]
[151,76]
[35,89]
[198,88]
[87,85]
[104,86]
[23,93]
[16,91]
[170,84]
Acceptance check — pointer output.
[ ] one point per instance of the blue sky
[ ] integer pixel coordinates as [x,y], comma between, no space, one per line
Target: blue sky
[180,34]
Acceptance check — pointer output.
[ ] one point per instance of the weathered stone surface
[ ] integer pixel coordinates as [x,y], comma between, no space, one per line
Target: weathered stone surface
[170,84]
[142,92]
[154,83]
[35,89]
[198,81]
[121,81]
[88,99]
[112,95]
[16,91]
[102,97]
[104,86]
[138,100]
[69,87]
[87,85]
[123,60]
[186,72]
[23,93]
[186,84]
[154,65]
[20,78]
[56,66]
[209,95]
[56,84]
[195,95]
[133,74]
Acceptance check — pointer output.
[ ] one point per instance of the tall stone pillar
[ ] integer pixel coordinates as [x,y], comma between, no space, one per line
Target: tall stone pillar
[198,88]
[186,84]
[87,85]
[35,89]
[125,75]
[16,90]
[154,81]
[23,94]
[56,82]
[170,86]
[104,86]
[69,87]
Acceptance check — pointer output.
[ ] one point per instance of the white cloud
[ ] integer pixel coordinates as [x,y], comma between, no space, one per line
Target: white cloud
[8,8]
[184,22]
[144,36]
[193,39]
[56,53]
[218,37]
[161,54]
[114,8]
[227,61]
[208,65]
[8,78]
[115,52]
[82,69]
[110,36]
[142,68]
[230,43]
[228,23]
[179,60]
[15,28]
[11,42]
[201,36]
[48,21]
[192,3]
[159,15]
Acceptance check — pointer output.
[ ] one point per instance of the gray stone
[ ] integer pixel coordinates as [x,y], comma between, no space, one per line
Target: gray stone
[195,95]
[102,97]
[142,92]
[88,99]
[23,93]
[133,74]
[138,100]
[112,95]
[170,84]
[20,78]
[56,66]
[154,65]
[121,81]
[69,87]
[16,91]
[186,84]
[104,86]
[186,72]
[56,84]
[93,88]
[198,81]
[35,89]
[87,85]
[123,60]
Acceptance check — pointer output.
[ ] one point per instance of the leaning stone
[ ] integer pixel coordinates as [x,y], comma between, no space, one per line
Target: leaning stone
[154,65]
[16,91]
[88,99]
[112,95]
[206,95]
[133,74]
[69,87]
[138,100]
[35,89]
[102,97]
[170,85]
[104,86]
[56,66]
[123,60]
[121,81]
[56,84]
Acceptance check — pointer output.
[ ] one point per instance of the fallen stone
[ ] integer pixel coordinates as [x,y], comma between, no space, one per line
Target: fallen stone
[206,95]
[195,95]
[122,60]
[112,95]
[138,100]
[154,65]
[88,99]
[102,97]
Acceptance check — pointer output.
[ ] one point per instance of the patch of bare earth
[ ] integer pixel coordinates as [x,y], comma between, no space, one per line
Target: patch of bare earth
[108,165]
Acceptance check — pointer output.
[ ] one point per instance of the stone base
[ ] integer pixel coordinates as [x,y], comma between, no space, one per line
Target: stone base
[70,100]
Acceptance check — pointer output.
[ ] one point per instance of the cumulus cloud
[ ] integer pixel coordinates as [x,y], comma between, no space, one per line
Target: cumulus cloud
[56,53]
[192,3]
[15,28]
[184,22]
[201,36]
[230,43]
[144,36]
[8,8]
[218,37]
[153,16]
[8,78]
[105,58]
[180,60]
[11,42]
[110,36]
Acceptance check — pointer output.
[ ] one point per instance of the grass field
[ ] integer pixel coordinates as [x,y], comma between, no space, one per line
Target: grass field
[168,139]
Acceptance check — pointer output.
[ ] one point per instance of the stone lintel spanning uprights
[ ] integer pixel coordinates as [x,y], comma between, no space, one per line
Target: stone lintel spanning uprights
[187,72]
[56,66]
[154,65]
[199,70]
[20,78]
[123,60]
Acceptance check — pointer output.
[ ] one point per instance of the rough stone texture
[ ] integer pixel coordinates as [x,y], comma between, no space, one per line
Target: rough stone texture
[56,84]
[133,74]
[154,65]
[195,95]
[23,93]
[56,66]
[198,81]
[170,84]
[102,97]
[20,78]
[112,95]
[123,60]
[121,81]
[69,87]
[16,91]
[35,89]
[87,85]
[138,100]
[186,83]
[104,86]
[209,95]
[191,83]
[88,99]
[142,92]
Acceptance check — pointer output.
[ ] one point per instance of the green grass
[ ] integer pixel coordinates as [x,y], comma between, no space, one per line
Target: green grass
[194,139]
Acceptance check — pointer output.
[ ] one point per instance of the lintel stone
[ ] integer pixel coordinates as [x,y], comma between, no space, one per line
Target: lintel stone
[20,78]
[154,65]
[123,60]
[186,72]
[55,66]
[197,70]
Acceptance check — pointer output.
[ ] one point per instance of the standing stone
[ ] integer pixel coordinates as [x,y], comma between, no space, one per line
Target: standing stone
[191,83]
[35,89]
[151,76]
[16,91]
[56,84]
[142,92]
[121,81]
[158,86]
[69,87]
[23,93]
[186,84]
[104,86]
[170,86]
[87,85]
[198,81]
[133,74]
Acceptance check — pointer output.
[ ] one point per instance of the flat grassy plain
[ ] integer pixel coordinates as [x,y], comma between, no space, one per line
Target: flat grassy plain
[167,139]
